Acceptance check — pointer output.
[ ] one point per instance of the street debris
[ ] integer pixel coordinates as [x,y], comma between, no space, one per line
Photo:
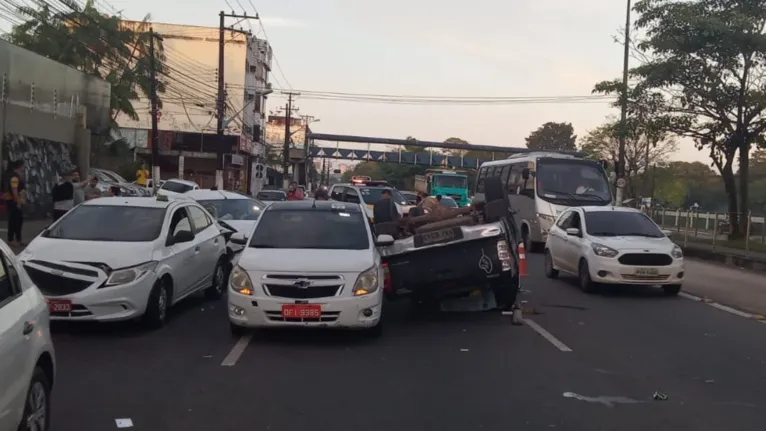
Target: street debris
[659,396]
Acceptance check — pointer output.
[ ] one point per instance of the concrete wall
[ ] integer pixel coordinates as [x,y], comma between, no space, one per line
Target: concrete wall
[47,113]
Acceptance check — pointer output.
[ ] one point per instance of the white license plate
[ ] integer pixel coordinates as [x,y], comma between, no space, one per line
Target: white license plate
[647,271]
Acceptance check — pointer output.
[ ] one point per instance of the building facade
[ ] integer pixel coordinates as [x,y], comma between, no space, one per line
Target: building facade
[190,102]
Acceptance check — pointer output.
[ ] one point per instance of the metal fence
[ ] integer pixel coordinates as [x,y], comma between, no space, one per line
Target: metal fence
[711,229]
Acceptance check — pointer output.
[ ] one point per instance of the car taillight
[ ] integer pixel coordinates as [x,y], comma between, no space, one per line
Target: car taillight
[386,279]
[504,255]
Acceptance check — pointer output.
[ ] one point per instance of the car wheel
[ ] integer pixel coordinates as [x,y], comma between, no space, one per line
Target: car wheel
[218,287]
[550,271]
[586,284]
[37,405]
[157,309]
[236,330]
[672,290]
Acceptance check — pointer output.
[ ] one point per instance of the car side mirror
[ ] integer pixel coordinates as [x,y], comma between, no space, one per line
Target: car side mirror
[238,238]
[384,240]
[573,231]
[183,236]
[525,173]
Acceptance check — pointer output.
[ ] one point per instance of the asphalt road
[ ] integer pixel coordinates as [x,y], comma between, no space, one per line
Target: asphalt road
[603,359]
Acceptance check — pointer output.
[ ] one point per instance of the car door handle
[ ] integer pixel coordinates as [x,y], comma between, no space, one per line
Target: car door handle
[28,328]
[215,241]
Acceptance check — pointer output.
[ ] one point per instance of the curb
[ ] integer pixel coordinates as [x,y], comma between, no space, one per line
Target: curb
[750,263]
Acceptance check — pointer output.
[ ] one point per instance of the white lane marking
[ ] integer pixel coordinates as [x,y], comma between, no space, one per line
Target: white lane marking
[124,423]
[721,307]
[231,359]
[547,335]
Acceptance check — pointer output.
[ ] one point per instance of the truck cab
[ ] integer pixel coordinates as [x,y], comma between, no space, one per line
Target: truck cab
[446,183]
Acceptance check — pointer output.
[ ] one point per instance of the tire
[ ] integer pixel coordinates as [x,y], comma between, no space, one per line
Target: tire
[550,271]
[157,308]
[37,406]
[672,290]
[236,330]
[583,278]
[218,284]
[525,239]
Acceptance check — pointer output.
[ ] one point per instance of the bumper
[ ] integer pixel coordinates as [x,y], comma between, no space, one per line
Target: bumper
[610,271]
[108,304]
[337,312]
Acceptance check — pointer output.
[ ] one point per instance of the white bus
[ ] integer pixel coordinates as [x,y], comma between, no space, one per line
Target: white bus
[540,185]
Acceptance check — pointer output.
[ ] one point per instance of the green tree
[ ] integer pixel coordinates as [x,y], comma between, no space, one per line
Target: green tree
[552,137]
[704,60]
[96,44]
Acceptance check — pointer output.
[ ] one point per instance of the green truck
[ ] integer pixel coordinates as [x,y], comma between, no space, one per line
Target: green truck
[444,182]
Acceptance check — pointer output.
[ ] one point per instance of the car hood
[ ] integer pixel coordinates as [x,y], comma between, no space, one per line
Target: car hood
[305,260]
[114,254]
[243,226]
[636,243]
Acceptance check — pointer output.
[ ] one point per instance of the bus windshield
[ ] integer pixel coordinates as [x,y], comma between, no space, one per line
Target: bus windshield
[568,181]
[450,181]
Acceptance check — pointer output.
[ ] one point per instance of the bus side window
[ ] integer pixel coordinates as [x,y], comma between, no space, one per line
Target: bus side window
[504,175]
[514,179]
[480,180]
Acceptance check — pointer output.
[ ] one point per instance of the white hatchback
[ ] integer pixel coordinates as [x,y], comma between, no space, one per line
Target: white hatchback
[118,258]
[613,245]
[27,359]
[309,264]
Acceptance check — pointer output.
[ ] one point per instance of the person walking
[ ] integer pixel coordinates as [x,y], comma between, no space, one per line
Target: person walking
[13,194]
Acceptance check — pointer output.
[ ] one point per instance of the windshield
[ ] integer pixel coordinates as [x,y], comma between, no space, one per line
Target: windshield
[621,223]
[176,187]
[450,181]
[330,230]
[448,202]
[272,196]
[125,224]
[572,181]
[371,195]
[234,209]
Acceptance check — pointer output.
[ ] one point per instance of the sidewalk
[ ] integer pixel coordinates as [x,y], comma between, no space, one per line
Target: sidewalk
[726,285]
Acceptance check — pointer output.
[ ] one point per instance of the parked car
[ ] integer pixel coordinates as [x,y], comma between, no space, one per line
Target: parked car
[108,179]
[272,195]
[176,187]
[114,259]
[28,364]
[613,245]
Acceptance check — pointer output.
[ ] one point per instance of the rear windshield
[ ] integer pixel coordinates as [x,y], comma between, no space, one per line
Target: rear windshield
[173,186]
[109,223]
[293,229]
[233,209]
[371,195]
[272,196]
[620,223]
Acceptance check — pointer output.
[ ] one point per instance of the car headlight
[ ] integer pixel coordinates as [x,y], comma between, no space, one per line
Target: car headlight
[546,217]
[129,275]
[367,282]
[677,252]
[240,281]
[604,251]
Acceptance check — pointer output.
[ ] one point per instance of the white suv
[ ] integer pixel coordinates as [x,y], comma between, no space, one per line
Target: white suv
[118,258]
[309,264]
[27,360]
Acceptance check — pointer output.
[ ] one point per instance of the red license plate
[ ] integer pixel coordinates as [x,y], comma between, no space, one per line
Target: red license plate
[60,306]
[301,311]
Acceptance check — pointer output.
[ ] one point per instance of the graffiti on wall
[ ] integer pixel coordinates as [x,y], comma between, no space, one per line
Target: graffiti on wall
[43,162]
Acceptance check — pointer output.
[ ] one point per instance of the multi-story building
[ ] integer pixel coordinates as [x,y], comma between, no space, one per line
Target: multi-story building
[187,121]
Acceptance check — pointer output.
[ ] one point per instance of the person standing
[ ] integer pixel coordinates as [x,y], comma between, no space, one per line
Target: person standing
[91,190]
[79,193]
[142,175]
[13,194]
[63,196]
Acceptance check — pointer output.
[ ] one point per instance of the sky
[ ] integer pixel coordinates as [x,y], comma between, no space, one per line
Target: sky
[431,48]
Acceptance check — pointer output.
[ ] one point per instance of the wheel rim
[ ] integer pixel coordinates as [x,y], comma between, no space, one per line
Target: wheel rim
[162,303]
[37,407]
[219,279]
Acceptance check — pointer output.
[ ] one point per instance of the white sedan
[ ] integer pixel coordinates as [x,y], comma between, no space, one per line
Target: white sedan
[309,264]
[176,187]
[613,245]
[28,363]
[118,258]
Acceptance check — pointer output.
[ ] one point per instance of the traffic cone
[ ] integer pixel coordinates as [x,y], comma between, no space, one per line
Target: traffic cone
[522,260]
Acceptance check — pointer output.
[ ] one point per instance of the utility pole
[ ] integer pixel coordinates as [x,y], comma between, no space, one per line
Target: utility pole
[221,99]
[155,112]
[307,119]
[286,148]
[621,180]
